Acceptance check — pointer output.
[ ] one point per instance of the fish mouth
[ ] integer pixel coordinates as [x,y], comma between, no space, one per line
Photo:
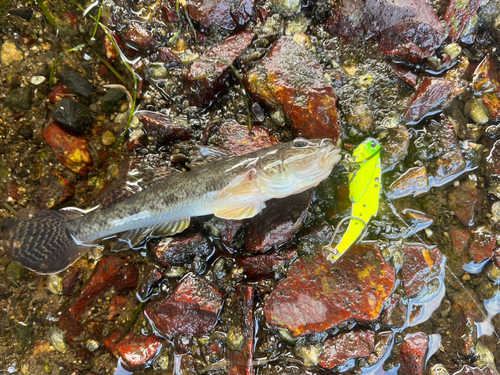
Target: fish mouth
[331,153]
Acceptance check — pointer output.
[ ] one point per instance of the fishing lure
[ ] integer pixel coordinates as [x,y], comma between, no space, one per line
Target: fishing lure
[364,193]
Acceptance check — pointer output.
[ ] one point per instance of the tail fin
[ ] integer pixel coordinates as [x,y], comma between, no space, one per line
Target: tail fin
[40,241]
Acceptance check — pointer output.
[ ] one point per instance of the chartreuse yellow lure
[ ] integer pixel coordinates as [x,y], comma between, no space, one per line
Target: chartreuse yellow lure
[364,193]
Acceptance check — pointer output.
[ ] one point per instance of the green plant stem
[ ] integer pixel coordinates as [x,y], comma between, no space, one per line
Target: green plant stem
[191,25]
[131,323]
[112,68]
[176,35]
[47,14]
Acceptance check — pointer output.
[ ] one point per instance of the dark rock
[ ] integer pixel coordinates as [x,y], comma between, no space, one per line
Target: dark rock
[460,239]
[26,132]
[75,82]
[167,56]
[432,95]
[345,346]
[206,79]
[239,140]
[278,222]
[19,98]
[413,353]
[70,150]
[72,116]
[126,279]
[165,129]
[24,13]
[458,13]
[463,201]
[69,324]
[291,71]
[265,265]
[407,29]
[181,248]
[150,276]
[71,282]
[482,245]
[227,14]
[420,265]
[486,83]
[228,234]
[191,309]
[395,313]
[140,37]
[58,92]
[317,295]
[54,190]
[109,102]
[394,146]
[134,350]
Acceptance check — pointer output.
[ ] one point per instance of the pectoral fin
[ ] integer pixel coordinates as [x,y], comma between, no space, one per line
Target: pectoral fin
[242,185]
[240,212]
[170,228]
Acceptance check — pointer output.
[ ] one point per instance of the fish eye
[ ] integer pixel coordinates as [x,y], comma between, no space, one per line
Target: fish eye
[300,142]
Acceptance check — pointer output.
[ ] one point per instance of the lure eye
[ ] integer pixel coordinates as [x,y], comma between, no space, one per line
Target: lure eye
[300,142]
[373,145]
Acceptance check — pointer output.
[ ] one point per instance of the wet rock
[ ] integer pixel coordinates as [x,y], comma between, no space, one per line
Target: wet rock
[191,309]
[108,138]
[126,279]
[460,239]
[406,75]
[15,271]
[464,201]
[394,146]
[227,235]
[134,350]
[109,101]
[432,95]
[291,71]
[116,304]
[266,265]
[345,346]
[413,353]
[181,248]
[58,92]
[486,83]
[278,222]
[19,98]
[482,245]
[103,278]
[68,323]
[420,265]
[163,128]
[75,82]
[492,165]
[239,339]
[413,182]
[70,150]
[317,295]
[458,13]
[54,190]
[227,14]
[237,139]
[408,29]
[286,8]
[71,282]
[24,13]
[206,79]
[140,37]
[167,56]
[468,370]
[10,54]
[395,313]
[72,116]
[150,276]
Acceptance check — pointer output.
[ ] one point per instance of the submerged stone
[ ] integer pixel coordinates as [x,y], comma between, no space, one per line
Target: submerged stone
[482,245]
[75,82]
[413,353]
[486,83]
[318,295]
[134,350]
[163,128]
[19,98]
[458,13]
[140,37]
[72,116]
[463,201]
[341,348]
[265,265]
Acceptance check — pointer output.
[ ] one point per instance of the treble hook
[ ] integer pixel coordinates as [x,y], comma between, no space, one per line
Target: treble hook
[334,252]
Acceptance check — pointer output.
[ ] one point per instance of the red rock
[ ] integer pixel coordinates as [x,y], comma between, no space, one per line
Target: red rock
[70,18]
[140,37]
[345,346]
[463,201]
[206,79]
[95,329]
[103,278]
[181,248]
[457,15]
[317,295]
[460,239]
[228,233]
[169,15]
[167,56]
[227,14]
[482,245]
[408,29]
[238,140]
[486,83]
[58,92]
[264,266]
[420,265]
[13,190]
[395,313]
[164,129]
[134,350]
[413,353]
[242,329]
[432,95]
[278,222]
[68,324]
[290,79]
[27,40]
[70,150]
[191,309]
[54,189]
[407,76]
[117,302]
[492,165]
[71,282]
[126,279]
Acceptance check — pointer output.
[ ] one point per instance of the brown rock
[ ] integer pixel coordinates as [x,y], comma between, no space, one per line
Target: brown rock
[54,190]
[345,346]
[165,129]
[206,79]
[117,302]
[394,146]
[278,222]
[413,353]
[413,182]
[317,295]
[167,56]
[395,313]
[407,76]
[71,282]
[264,265]
[140,37]
[191,309]
[492,165]
[482,245]
[58,92]
[486,83]
[290,79]
[460,240]
[458,13]
[227,14]
[126,279]
[463,201]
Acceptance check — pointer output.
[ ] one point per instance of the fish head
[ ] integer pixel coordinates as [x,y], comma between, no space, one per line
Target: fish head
[297,166]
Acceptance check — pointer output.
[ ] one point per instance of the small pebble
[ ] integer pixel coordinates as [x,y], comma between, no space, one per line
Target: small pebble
[466,277]
[108,138]
[37,80]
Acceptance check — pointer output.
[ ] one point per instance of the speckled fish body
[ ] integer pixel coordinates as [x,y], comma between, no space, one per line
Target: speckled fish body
[233,188]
